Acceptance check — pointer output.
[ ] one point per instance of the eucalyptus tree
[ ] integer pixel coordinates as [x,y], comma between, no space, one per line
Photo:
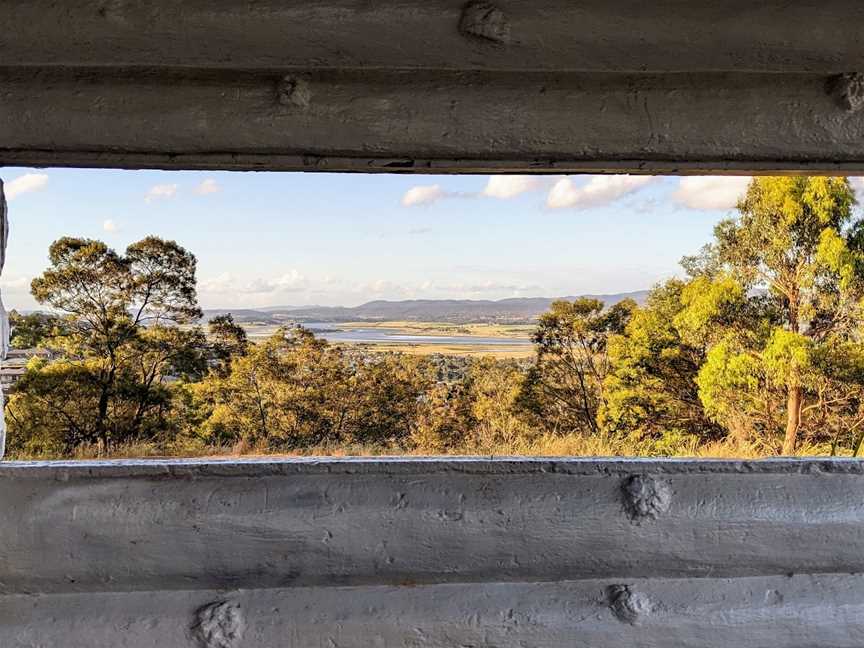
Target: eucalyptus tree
[565,388]
[777,296]
[121,339]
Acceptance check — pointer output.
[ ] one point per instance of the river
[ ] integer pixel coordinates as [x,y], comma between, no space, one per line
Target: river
[361,335]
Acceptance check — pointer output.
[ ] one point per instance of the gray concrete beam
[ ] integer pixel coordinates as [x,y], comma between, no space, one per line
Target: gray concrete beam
[437,86]
[503,35]
[199,525]
[760,612]
[432,552]
[424,122]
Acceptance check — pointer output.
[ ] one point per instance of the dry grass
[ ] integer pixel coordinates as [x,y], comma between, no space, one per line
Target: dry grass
[444,328]
[500,352]
[544,446]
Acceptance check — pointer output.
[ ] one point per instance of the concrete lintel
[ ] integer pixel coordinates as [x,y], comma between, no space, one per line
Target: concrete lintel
[542,35]
[429,122]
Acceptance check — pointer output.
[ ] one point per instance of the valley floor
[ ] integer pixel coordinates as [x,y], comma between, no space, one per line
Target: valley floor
[423,338]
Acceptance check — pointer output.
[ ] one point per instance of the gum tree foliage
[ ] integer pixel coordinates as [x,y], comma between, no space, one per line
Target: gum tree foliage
[479,414]
[294,390]
[651,394]
[776,300]
[443,419]
[496,387]
[763,341]
[227,340]
[120,340]
[564,390]
[760,345]
[32,330]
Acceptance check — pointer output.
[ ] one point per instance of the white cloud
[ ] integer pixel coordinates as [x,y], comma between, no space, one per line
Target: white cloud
[505,187]
[711,192]
[15,283]
[386,289]
[228,290]
[482,288]
[209,186]
[109,226]
[226,283]
[25,184]
[162,192]
[423,195]
[502,187]
[599,190]
[291,281]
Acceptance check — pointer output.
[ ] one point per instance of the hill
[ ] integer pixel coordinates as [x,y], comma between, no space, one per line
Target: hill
[457,311]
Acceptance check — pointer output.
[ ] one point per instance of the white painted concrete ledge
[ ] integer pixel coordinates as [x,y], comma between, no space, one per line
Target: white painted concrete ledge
[432,552]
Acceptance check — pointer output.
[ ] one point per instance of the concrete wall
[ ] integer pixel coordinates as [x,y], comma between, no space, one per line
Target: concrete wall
[354,553]
[423,552]
[434,85]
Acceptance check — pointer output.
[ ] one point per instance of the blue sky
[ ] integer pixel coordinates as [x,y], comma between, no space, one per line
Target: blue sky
[289,238]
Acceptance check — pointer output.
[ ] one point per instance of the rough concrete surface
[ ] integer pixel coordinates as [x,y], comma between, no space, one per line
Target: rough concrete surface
[758,612]
[414,522]
[331,120]
[426,552]
[544,35]
[434,85]
[449,552]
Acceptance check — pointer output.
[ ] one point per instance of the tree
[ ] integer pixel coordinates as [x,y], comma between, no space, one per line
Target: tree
[121,336]
[564,388]
[779,288]
[295,391]
[227,340]
[651,395]
[444,419]
[386,390]
[499,423]
[287,392]
[49,412]
[32,330]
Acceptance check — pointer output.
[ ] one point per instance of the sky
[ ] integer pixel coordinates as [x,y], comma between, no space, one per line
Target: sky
[276,239]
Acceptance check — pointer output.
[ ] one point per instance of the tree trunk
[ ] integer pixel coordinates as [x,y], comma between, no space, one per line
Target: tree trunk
[794,391]
[102,412]
[101,417]
[794,400]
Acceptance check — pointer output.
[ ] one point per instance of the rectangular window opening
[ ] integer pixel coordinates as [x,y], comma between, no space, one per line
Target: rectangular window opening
[226,314]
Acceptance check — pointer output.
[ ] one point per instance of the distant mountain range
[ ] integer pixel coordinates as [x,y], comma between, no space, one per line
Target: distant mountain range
[457,311]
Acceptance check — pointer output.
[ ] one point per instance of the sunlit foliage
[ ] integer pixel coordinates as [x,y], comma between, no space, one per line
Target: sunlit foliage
[757,350]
